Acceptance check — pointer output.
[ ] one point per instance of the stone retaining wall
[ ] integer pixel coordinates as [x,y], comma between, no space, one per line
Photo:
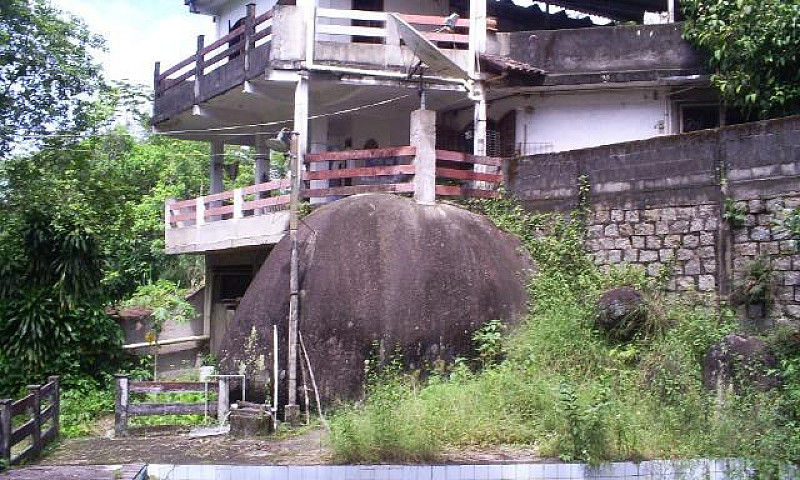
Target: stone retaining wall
[661,203]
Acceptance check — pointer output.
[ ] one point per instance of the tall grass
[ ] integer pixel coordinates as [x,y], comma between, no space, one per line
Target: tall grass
[564,388]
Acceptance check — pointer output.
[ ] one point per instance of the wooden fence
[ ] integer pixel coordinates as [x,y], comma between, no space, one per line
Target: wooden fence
[125,408]
[40,407]
[469,176]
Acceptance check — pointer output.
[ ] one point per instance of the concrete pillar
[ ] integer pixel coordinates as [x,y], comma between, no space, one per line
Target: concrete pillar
[423,138]
[318,142]
[477,35]
[121,406]
[215,184]
[262,160]
[671,9]
[301,117]
[479,121]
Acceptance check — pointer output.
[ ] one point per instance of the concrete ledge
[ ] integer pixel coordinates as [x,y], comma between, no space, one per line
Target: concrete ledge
[253,231]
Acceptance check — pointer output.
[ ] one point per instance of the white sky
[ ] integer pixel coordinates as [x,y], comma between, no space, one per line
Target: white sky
[140,32]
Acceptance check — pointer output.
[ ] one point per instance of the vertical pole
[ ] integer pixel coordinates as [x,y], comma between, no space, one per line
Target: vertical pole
[199,67]
[168,214]
[223,399]
[262,160]
[479,121]
[238,201]
[56,402]
[275,372]
[5,431]
[297,156]
[477,36]
[36,417]
[423,139]
[671,8]
[121,405]
[157,79]
[249,31]
[292,409]
[208,302]
[216,166]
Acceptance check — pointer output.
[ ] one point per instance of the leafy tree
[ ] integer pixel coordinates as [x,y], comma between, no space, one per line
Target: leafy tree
[754,50]
[47,72]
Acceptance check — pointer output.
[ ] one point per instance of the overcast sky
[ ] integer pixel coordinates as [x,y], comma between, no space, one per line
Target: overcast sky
[139,32]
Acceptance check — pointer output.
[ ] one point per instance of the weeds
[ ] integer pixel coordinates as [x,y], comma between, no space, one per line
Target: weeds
[561,387]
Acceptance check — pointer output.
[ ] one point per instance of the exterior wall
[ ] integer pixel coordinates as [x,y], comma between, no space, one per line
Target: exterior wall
[592,118]
[236,9]
[659,203]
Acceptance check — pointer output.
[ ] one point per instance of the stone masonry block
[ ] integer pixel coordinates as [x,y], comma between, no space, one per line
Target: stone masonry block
[693,267]
[685,254]
[747,249]
[653,242]
[768,248]
[760,234]
[666,254]
[679,226]
[648,256]
[632,216]
[644,229]
[625,230]
[707,252]
[631,255]
[662,227]
[707,238]
[706,283]
[637,242]
[791,278]
[617,215]
[691,240]
[611,231]
[672,241]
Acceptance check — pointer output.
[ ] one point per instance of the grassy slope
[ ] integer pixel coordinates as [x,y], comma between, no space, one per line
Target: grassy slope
[565,389]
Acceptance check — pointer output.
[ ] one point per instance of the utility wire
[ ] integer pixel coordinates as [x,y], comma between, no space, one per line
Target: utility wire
[233,127]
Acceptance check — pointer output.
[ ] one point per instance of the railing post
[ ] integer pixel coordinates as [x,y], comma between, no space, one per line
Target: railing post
[199,67]
[200,212]
[237,203]
[36,410]
[56,402]
[223,399]
[5,431]
[423,139]
[157,79]
[168,214]
[121,406]
[249,31]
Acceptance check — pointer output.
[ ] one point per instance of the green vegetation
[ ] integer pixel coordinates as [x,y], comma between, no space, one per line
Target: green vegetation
[753,48]
[558,384]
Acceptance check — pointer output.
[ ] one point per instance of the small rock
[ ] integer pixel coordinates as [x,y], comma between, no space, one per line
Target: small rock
[621,313]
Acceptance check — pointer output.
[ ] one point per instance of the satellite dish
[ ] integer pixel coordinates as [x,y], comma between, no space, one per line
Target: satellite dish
[437,62]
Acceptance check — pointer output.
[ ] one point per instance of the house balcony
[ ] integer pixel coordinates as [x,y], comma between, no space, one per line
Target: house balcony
[259,57]
[258,215]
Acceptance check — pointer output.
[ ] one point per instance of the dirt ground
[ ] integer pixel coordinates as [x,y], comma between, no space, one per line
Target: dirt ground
[309,446]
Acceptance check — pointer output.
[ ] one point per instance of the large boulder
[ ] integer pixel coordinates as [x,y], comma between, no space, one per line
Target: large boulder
[740,360]
[620,313]
[379,270]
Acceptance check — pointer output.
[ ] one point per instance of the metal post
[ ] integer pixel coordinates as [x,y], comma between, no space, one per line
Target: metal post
[5,431]
[121,405]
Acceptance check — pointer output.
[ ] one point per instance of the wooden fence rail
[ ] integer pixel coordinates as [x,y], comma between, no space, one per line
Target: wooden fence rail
[35,418]
[125,408]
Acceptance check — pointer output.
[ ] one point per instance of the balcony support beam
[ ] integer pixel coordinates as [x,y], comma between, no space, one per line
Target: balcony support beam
[262,160]
[216,164]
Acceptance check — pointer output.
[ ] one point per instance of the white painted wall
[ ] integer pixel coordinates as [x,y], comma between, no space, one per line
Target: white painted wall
[236,9]
[587,119]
